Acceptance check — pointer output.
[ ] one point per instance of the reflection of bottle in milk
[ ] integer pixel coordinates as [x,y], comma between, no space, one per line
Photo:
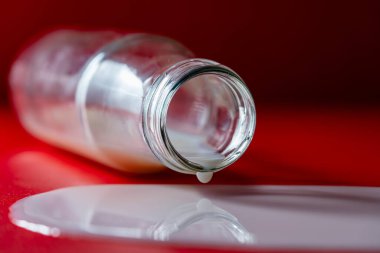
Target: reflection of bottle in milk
[126,100]
[209,222]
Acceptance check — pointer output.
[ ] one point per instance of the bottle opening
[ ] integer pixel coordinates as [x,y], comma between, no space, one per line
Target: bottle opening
[204,116]
[202,120]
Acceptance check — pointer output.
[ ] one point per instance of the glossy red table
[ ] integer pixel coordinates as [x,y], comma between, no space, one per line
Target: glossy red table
[312,145]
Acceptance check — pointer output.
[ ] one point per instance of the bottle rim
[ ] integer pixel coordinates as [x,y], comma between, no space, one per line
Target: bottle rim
[156,105]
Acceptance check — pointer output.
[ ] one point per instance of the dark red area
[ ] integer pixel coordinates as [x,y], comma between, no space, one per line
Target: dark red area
[287,51]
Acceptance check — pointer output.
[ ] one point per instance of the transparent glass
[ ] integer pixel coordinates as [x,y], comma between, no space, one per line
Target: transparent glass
[133,101]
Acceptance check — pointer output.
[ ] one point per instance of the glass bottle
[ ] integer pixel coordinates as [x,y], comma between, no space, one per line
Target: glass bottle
[133,101]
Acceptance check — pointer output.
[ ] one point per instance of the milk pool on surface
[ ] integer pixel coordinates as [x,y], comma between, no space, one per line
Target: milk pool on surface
[246,216]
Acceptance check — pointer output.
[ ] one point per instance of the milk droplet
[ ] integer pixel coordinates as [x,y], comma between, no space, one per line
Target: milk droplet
[204,177]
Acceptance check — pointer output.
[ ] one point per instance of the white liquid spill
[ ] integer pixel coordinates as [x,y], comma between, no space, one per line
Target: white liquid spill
[204,177]
[195,148]
[312,217]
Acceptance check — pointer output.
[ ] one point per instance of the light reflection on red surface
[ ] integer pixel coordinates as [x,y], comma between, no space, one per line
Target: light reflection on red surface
[42,171]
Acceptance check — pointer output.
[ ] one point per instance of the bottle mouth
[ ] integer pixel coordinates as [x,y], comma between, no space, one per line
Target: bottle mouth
[199,116]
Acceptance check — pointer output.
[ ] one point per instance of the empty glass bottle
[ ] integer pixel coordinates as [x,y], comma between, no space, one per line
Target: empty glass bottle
[133,101]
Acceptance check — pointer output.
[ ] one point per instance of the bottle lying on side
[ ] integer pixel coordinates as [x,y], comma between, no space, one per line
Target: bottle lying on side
[133,101]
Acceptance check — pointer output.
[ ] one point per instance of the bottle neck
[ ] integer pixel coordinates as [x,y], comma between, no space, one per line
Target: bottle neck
[198,117]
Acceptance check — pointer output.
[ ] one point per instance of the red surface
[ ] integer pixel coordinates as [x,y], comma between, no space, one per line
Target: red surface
[331,145]
[298,53]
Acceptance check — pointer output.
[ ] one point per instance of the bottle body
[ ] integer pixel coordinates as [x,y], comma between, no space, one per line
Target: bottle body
[120,99]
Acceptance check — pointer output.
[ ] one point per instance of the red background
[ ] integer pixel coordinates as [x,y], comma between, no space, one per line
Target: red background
[286,50]
[313,68]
